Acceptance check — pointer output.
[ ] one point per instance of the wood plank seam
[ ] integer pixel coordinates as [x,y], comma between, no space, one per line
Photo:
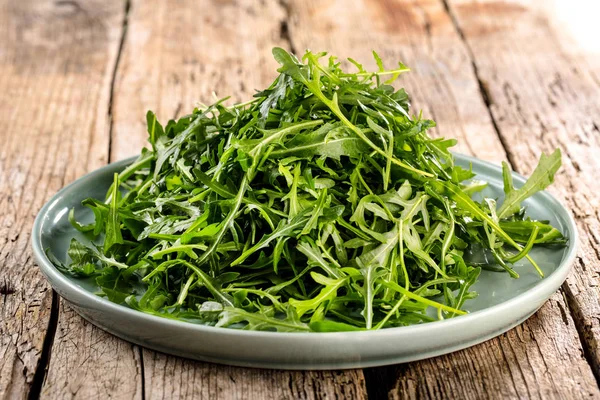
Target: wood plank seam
[483,91]
[115,70]
[587,340]
[142,371]
[44,360]
[42,368]
[284,33]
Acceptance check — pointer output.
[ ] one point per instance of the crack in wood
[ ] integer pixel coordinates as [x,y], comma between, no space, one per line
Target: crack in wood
[7,289]
[124,27]
[483,89]
[588,341]
[380,381]
[142,371]
[41,369]
[284,31]
[426,26]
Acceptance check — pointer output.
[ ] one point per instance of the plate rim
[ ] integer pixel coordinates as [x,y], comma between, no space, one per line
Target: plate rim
[554,280]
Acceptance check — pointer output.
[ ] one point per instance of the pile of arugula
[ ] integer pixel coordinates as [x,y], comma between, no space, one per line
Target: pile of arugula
[321,205]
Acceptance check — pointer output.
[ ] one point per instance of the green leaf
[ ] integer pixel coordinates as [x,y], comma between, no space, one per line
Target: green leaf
[155,129]
[521,231]
[77,225]
[260,321]
[324,144]
[283,229]
[113,222]
[332,326]
[540,179]
[378,61]
[275,95]
[327,294]
[253,149]
[315,258]
[465,202]
[290,65]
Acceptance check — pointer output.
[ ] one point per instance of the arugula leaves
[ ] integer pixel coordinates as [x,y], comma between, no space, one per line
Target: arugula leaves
[320,205]
[542,177]
[113,228]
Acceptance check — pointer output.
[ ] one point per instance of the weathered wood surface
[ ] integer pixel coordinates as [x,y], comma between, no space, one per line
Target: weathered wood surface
[174,378]
[76,79]
[177,54]
[53,56]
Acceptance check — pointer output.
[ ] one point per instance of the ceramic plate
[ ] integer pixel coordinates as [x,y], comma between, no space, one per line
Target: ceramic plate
[503,302]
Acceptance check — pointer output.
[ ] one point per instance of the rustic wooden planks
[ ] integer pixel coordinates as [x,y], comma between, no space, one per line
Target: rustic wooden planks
[544,94]
[180,53]
[544,356]
[87,362]
[77,78]
[174,377]
[111,371]
[539,359]
[55,60]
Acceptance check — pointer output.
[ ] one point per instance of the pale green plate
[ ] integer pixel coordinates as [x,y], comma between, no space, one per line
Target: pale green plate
[503,302]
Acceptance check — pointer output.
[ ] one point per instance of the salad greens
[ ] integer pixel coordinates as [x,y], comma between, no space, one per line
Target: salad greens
[320,205]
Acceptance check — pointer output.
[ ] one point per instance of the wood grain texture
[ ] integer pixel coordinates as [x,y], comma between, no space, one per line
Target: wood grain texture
[89,363]
[545,94]
[179,53]
[53,104]
[537,359]
[499,76]
[172,377]
[544,356]
[86,362]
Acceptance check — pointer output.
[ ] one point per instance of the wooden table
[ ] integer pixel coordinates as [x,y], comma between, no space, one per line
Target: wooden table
[76,78]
